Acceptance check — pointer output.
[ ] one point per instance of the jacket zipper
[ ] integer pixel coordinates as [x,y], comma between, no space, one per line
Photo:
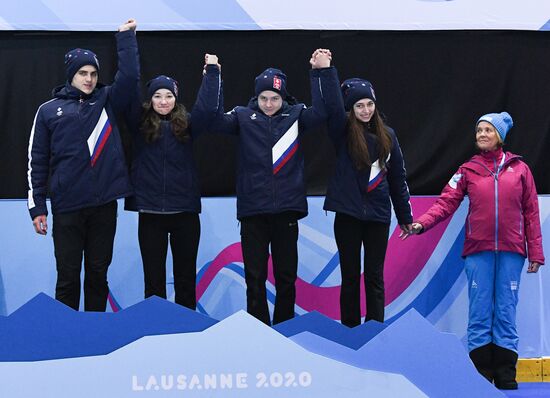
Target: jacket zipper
[96,194]
[496,175]
[496,205]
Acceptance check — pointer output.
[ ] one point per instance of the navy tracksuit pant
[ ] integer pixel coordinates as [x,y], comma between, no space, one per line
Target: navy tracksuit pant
[257,234]
[183,231]
[88,233]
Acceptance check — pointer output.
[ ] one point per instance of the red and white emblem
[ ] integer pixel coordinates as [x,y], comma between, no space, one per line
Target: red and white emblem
[277,83]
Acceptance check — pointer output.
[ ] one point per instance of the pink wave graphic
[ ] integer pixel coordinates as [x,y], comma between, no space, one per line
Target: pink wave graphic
[115,306]
[404,261]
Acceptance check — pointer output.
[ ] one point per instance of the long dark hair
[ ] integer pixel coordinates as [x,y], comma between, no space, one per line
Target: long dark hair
[150,122]
[357,143]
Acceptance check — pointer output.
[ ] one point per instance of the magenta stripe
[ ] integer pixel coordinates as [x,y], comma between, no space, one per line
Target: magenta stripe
[405,259]
[115,306]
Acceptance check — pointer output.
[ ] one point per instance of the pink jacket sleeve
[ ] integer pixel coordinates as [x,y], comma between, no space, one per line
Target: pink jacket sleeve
[449,200]
[530,206]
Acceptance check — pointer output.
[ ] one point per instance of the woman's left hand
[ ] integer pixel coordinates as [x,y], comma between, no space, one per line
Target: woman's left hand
[533,267]
[406,230]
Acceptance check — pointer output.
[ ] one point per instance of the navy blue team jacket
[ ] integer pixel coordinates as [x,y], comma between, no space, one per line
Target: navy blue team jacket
[366,194]
[75,138]
[270,173]
[163,172]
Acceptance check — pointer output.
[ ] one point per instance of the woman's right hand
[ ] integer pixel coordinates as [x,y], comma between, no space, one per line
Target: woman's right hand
[415,229]
[533,267]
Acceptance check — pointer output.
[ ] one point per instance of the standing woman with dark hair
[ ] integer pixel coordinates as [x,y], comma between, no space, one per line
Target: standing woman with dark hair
[167,193]
[369,173]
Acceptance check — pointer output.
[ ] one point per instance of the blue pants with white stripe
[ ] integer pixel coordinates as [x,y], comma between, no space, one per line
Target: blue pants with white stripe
[493,284]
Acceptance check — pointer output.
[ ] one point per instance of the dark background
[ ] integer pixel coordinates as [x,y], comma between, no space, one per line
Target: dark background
[431,85]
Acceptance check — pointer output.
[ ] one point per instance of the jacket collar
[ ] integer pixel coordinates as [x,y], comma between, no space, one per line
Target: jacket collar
[484,162]
[66,91]
[491,156]
[253,104]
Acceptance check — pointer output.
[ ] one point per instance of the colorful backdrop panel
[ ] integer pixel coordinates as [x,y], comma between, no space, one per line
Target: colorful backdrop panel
[425,272]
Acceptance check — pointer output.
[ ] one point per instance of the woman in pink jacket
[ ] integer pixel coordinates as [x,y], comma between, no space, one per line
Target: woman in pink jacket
[502,228]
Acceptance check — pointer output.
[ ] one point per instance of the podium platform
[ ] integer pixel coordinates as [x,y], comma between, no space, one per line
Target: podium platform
[157,348]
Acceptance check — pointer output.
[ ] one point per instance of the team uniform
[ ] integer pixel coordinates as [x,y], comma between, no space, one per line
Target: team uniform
[75,140]
[361,201]
[271,192]
[167,194]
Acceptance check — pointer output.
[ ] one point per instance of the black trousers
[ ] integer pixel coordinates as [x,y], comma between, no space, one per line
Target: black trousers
[88,232]
[352,233]
[257,233]
[183,230]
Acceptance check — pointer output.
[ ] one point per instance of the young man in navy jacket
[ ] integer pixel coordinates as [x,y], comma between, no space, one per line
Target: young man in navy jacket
[271,193]
[75,140]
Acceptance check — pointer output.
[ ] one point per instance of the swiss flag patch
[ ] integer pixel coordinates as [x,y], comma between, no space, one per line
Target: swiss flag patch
[276,83]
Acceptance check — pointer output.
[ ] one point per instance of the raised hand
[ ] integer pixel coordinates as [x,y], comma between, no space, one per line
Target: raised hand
[211,59]
[320,58]
[130,24]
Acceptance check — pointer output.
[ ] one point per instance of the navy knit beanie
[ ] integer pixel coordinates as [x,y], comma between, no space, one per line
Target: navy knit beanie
[356,89]
[271,79]
[76,59]
[501,121]
[162,82]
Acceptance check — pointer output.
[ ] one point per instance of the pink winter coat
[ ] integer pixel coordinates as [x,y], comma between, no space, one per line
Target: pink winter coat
[503,214]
